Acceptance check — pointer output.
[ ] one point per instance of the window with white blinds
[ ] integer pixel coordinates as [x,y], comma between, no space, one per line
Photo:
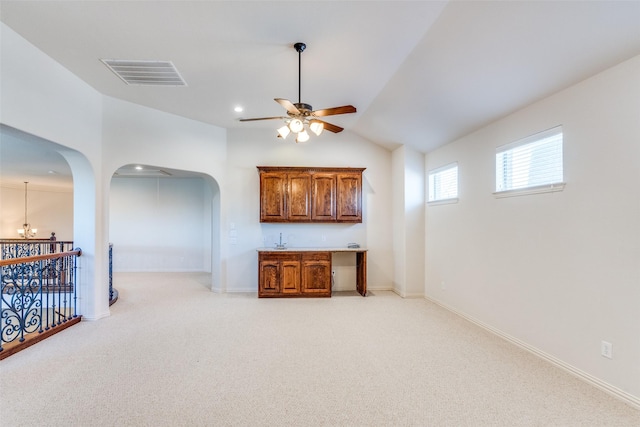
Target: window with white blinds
[443,183]
[532,162]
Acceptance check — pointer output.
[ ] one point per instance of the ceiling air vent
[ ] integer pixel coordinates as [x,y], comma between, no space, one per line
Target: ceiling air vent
[133,172]
[145,73]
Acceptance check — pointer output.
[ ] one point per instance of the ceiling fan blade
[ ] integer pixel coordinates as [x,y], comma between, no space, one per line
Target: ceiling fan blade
[262,118]
[345,109]
[330,127]
[288,105]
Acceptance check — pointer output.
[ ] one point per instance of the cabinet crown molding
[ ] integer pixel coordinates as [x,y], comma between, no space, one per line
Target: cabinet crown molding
[310,169]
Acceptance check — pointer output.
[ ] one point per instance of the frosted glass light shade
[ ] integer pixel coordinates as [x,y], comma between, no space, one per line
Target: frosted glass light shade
[316,127]
[302,136]
[284,132]
[296,125]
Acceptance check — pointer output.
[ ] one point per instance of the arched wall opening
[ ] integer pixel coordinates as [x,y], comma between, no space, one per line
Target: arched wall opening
[165,220]
[68,205]
[27,158]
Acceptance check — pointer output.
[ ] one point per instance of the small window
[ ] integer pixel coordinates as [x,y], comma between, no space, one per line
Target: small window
[443,183]
[534,162]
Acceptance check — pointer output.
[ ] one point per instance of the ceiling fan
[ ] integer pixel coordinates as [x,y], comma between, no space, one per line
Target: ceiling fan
[301,116]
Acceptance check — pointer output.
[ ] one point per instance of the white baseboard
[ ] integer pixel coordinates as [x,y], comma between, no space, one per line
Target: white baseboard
[628,398]
[241,291]
[407,295]
[97,316]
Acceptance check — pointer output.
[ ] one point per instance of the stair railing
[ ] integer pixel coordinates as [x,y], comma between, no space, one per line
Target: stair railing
[38,298]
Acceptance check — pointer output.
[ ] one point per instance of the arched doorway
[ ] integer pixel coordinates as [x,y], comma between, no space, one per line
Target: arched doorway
[164,220]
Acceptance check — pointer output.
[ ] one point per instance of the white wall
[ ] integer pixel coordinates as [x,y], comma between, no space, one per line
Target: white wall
[156,224]
[399,223]
[250,148]
[98,134]
[414,212]
[42,98]
[559,272]
[408,204]
[134,134]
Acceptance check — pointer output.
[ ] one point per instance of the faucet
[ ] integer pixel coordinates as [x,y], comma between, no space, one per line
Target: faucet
[281,245]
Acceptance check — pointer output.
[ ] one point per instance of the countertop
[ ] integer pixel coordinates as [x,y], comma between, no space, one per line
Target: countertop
[331,249]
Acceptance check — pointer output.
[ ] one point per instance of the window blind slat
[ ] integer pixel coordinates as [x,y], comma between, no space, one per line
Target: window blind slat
[532,163]
[443,183]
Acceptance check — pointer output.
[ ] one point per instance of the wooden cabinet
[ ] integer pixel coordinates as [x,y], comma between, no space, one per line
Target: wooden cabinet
[279,274]
[298,197]
[349,197]
[323,196]
[298,194]
[294,274]
[316,274]
[273,188]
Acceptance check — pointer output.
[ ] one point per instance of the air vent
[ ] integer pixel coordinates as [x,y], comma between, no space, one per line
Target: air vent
[128,172]
[145,73]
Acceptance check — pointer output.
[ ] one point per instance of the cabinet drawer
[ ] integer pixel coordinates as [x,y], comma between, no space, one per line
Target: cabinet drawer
[316,256]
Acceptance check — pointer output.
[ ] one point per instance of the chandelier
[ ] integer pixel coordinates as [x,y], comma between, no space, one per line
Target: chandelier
[26,231]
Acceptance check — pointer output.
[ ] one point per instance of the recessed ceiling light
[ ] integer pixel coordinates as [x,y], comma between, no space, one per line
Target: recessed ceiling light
[238,109]
[52,172]
[138,168]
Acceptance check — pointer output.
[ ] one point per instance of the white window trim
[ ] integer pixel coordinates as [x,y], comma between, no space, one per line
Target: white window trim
[531,138]
[443,202]
[449,200]
[547,188]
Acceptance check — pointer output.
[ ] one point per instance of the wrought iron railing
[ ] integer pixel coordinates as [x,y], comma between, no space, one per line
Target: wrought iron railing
[38,295]
[16,248]
[113,293]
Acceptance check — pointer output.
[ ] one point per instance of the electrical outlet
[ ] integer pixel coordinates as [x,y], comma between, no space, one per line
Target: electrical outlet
[606,349]
[443,285]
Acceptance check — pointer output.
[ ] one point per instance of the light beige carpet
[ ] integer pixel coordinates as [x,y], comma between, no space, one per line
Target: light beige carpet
[174,354]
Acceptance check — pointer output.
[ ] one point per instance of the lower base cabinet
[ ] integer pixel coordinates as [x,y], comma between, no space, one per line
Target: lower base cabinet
[294,274]
[316,274]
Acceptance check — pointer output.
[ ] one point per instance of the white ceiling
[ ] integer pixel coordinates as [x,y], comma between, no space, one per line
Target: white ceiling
[420,73]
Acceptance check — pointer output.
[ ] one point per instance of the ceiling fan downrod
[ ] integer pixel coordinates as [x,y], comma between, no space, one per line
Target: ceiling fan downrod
[300,47]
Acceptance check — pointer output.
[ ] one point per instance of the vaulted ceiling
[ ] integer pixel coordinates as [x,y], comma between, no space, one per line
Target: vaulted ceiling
[420,73]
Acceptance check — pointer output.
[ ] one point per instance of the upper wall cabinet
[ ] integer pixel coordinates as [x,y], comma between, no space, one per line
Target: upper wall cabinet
[299,194]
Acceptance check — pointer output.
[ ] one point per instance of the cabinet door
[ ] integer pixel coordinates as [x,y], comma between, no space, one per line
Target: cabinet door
[269,277]
[299,197]
[316,274]
[323,197]
[272,197]
[290,277]
[349,188]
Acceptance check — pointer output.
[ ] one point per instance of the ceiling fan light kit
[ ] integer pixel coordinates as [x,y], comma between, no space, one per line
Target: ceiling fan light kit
[300,116]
